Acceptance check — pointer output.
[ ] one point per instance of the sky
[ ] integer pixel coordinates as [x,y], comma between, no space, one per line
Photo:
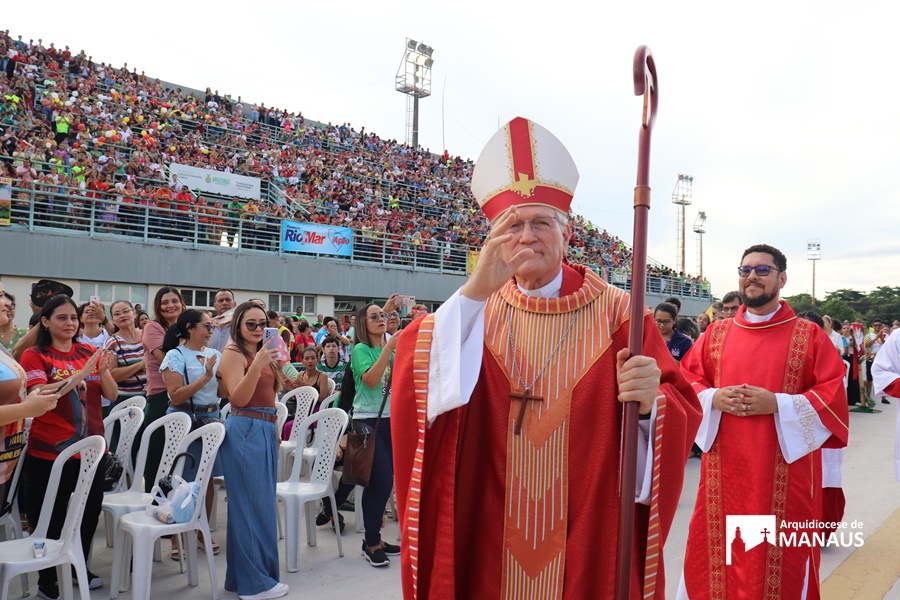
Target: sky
[783,112]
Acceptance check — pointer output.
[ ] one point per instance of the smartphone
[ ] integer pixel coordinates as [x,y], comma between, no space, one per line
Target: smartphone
[225,317]
[95,300]
[408,300]
[269,333]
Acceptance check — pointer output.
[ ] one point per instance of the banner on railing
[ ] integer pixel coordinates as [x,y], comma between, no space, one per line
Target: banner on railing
[216,182]
[5,200]
[311,238]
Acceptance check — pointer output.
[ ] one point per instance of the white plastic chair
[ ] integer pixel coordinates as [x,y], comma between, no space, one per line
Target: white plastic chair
[116,505]
[219,482]
[12,520]
[306,397]
[296,495]
[331,385]
[17,556]
[309,452]
[144,530]
[138,401]
[130,420]
[281,415]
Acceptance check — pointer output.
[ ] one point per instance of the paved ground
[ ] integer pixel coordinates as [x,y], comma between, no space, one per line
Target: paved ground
[873,497]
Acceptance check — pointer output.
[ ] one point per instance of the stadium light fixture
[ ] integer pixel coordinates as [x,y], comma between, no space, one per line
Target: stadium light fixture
[414,79]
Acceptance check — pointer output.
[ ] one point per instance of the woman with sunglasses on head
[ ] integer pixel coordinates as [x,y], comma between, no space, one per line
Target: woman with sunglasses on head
[130,372]
[56,357]
[167,307]
[189,370]
[373,354]
[250,457]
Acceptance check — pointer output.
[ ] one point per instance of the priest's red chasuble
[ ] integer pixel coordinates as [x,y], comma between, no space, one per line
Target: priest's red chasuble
[490,513]
[745,472]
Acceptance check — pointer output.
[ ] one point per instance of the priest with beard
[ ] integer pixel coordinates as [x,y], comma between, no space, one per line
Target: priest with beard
[771,387]
[507,408]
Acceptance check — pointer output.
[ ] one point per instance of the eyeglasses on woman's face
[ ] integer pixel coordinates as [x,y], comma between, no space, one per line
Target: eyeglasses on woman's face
[377,316]
[207,326]
[254,325]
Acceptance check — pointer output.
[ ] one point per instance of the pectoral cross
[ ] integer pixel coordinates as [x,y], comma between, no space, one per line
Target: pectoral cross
[525,397]
[765,533]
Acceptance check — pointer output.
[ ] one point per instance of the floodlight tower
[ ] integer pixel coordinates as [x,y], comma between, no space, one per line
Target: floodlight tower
[414,80]
[683,196]
[813,253]
[700,229]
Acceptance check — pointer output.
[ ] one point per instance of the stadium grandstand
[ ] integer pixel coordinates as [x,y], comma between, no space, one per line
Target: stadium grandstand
[201,189]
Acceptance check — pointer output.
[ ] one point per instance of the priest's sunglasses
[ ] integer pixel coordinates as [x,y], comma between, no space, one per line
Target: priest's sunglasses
[761,270]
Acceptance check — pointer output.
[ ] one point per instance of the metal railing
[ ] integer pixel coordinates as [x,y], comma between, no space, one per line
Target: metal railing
[97,215]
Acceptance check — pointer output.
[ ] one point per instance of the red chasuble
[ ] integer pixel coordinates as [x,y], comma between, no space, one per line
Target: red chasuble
[486,513]
[744,472]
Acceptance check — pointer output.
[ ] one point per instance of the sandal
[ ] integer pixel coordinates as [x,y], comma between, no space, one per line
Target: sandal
[215,547]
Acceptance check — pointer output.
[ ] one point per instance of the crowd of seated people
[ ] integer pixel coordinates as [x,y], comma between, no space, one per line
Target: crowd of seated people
[93,133]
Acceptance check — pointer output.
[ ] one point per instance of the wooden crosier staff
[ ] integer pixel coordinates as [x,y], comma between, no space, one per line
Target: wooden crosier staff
[646,85]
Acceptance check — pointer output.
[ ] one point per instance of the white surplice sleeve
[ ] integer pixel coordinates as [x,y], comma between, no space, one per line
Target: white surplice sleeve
[456,349]
[800,430]
[709,426]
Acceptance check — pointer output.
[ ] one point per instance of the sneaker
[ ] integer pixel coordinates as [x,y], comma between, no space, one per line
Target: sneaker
[376,557]
[277,591]
[390,549]
[48,592]
[94,581]
[322,519]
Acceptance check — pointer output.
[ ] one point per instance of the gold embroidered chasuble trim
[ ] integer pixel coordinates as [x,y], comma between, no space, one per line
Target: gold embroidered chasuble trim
[534,539]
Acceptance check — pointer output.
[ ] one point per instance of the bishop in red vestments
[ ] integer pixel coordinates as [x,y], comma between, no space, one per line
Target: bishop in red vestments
[506,410]
[772,391]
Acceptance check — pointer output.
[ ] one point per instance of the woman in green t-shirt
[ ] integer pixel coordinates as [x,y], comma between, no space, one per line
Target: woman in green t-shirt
[373,355]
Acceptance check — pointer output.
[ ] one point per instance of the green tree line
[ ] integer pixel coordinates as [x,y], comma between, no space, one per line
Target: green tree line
[854,306]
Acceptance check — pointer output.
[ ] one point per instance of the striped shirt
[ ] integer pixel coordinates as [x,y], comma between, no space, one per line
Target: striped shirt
[128,354]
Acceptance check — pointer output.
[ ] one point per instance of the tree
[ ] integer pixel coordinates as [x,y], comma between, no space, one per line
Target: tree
[845,295]
[801,302]
[839,310]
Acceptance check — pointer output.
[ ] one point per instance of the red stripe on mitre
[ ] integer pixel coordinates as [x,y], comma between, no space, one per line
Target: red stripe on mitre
[547,196]
[521,148]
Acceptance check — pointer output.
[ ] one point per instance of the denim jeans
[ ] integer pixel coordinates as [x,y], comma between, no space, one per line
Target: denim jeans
[249,460]
[381,482]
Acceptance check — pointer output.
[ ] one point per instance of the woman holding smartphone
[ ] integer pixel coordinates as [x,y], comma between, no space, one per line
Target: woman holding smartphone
[56,357]
[250,456]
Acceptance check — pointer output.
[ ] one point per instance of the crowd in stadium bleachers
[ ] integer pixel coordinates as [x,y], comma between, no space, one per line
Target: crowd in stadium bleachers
[92,132]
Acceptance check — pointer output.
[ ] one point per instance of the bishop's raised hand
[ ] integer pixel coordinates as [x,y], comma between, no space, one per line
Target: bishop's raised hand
[498,259]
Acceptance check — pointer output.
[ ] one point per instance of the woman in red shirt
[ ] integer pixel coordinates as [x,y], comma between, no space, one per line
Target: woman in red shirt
[55,358]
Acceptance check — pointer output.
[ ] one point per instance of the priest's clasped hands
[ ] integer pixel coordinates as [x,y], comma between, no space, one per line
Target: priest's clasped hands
[745,400]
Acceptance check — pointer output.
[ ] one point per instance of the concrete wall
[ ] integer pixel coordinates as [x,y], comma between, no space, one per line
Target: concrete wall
[28,256]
